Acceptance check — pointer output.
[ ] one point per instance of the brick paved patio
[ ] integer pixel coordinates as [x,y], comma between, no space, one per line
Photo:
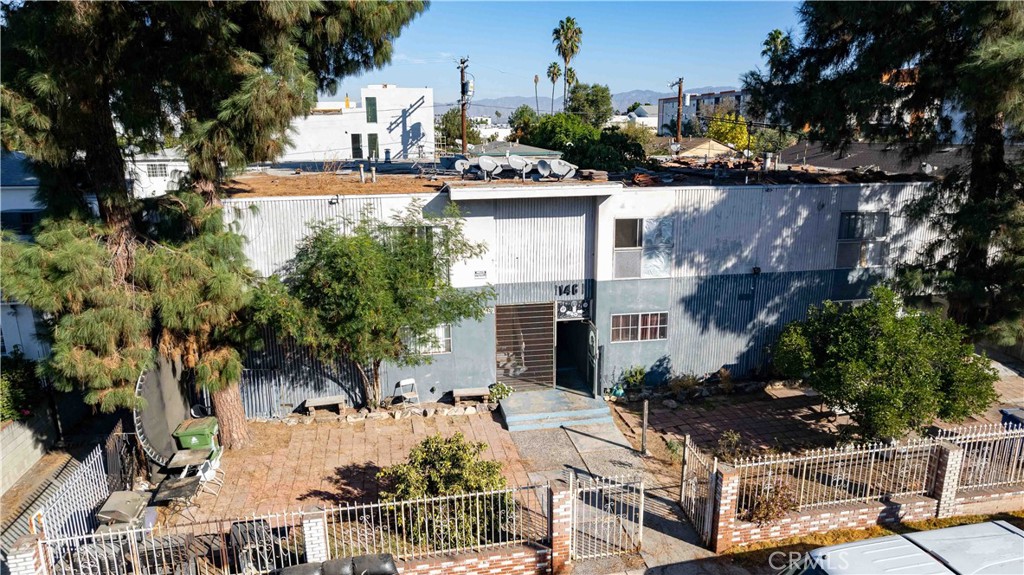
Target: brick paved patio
[330,462]
[779,418]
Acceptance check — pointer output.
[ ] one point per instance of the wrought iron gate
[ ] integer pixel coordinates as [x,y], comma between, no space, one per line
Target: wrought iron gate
[697,492]
[608,516]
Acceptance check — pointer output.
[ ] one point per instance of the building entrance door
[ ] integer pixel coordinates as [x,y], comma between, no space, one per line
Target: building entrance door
[525,345]
[572,358]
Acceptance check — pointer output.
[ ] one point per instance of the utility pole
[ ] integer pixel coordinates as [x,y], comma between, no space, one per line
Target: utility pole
[679,111]
[464,101]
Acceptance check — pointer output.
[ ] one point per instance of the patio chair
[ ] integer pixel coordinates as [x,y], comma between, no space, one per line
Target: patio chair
[208,477]
[407,396]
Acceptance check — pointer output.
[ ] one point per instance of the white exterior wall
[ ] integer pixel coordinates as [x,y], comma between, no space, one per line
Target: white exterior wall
[145,186]
[667,111]
[18,198]
[405,120]
[731,230]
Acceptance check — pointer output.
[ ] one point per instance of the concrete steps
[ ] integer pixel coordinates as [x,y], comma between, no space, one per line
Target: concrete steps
[547,409]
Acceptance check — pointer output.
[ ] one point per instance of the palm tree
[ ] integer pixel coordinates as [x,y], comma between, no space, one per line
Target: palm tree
[776,45]
[566,38]
[554,73]
[536,98]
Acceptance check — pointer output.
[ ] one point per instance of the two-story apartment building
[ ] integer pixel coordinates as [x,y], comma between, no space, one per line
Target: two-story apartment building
[594,278]
[387,122]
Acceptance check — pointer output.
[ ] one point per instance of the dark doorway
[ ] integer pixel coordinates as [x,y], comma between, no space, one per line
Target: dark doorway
[571,358]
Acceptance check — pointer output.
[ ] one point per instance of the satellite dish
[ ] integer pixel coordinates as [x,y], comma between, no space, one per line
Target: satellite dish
[462,165]
[489,166]
[544,168]
[561,169]
[519,164]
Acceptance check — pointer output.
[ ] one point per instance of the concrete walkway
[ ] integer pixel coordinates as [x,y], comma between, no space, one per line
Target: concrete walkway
[670,544]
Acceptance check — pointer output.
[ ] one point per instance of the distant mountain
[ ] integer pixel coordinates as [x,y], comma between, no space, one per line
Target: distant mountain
[505,105]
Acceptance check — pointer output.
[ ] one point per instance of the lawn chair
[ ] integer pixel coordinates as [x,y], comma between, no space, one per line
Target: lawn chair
[407,396]
[208,478]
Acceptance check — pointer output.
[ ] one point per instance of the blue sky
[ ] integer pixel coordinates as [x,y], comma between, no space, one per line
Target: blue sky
[626,45]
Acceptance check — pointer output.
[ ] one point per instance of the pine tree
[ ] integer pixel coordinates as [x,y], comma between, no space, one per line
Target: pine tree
[909,72]
[83,86]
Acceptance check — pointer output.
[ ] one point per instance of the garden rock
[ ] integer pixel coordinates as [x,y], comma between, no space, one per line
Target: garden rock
[456,411]
[355,417]
[377,415]
[470,410]
[670,403]
[429,412]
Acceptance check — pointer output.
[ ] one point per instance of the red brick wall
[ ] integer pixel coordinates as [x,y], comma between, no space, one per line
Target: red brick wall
[854,516]
[517,559]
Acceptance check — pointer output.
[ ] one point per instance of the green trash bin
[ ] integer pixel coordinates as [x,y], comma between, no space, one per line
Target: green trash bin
[198,433]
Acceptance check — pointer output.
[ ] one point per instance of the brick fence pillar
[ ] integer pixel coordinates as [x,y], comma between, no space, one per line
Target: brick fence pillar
[314,533]
[723,507]
[23,558]
[560,528]
[949,459]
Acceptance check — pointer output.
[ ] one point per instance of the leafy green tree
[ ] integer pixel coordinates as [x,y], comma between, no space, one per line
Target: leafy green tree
[19,387]
[436,467]
[911,72]
[728,129]
[591,102]
[770,140]
[585,145]
[640,134]
[85,85]
[632,107]
[567,38]
[893,369]
[368,294]
[554,73]
[449,127]
[520,120]
[561,132]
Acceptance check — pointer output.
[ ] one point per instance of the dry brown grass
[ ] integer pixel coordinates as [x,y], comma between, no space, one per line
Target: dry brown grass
[756,555]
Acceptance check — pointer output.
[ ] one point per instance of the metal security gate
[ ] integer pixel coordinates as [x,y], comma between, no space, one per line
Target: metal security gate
[525,345]
[697,491]
[607,516]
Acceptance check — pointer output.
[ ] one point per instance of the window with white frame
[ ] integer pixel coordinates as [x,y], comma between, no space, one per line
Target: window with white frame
[629,247]
[639,326]
[863,240]
[156,170]
[438,341]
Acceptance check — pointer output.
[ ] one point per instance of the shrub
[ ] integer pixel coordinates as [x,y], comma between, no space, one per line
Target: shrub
[500,391]
[675,449]
[725,382]
[684,383]
[19,387]
[730,446]
[773,503]
[452,466]
[633,377]
[893,369]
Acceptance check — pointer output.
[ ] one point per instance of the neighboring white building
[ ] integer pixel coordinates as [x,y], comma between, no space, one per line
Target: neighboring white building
[19,213]
[386,122]
[667,112]
[496,132]
[155,174]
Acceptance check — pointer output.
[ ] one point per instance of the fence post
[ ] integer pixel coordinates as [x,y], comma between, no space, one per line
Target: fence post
[560,528]
[23,558]
[314,534]
[949,460]
[682,476]
[723,510]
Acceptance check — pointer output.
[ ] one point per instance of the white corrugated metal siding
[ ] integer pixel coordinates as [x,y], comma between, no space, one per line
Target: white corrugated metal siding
[544,240]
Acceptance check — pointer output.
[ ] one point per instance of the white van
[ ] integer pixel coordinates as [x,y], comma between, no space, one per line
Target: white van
[994,548]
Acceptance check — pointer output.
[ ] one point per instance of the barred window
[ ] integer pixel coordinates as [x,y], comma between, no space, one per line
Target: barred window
[156,170]
[639,326]
[437,342]
[863,225]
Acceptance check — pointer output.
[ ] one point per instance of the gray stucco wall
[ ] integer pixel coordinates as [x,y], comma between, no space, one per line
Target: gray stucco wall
[22,443]
[715,321]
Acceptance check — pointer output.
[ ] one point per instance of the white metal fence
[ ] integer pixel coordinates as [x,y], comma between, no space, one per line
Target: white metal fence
[697,488]
[440,525]
[264,543]
[72,508]
[993,455]
[256,544]
[607,516]
[827,477]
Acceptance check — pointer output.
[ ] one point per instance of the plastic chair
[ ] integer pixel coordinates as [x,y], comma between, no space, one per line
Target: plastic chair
[208,476]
